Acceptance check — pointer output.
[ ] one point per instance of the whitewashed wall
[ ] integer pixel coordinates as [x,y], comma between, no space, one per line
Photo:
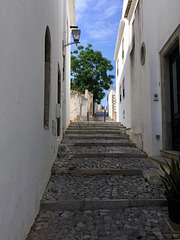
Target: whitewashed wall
[89,97]
[97,107]
[145,80]
[27,151]
[111,103]
[123,107]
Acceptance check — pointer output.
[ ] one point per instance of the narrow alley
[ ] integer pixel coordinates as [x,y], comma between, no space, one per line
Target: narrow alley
[101,187]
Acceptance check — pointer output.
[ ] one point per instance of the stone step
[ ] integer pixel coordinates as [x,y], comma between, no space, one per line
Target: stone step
[94,123]
[104,163]
[96,137]
[95,204]
[91,132]
[99,128]
[103,141]
[95,127]
[100,187]
[100,149]
[104,144]
[148,223]
[95,171]
[102,155]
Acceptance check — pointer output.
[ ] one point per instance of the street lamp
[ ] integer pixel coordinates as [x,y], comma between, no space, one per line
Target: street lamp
[76,36]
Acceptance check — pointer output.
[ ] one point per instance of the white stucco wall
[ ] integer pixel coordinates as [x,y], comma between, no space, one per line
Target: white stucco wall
[154,32]
[123,107]
[111,103]
[27,151]
[89,97]
[146,114]
[97,107]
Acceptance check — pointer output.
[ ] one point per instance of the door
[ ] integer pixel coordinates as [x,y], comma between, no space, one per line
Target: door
[175,98]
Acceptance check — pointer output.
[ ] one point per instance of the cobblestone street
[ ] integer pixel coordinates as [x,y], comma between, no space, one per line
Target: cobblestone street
[99,189]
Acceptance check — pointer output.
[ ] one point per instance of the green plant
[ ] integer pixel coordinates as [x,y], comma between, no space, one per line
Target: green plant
[171,179]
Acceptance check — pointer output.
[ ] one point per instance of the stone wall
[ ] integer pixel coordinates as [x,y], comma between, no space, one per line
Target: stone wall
[80,105]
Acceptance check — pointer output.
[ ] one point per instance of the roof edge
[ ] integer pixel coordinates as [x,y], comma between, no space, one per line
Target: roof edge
[119,37]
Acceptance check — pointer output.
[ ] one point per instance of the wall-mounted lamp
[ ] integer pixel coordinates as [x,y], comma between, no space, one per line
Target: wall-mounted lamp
[76,36]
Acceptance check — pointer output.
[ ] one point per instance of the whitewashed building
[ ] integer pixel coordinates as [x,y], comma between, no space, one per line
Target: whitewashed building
[147,59]
[111,99]
[35,82]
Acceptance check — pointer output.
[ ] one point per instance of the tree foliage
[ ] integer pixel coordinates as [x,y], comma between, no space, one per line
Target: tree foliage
[89,70]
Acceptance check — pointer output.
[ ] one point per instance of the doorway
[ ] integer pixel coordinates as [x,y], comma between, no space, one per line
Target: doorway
[175,97]
[170,92]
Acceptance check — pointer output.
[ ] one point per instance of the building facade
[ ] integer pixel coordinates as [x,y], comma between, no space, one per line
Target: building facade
[35,103]
[111,99]
[149,31]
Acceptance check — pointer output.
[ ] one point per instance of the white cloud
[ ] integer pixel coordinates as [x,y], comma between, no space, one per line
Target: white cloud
[110,11]
[100,4]
[80,5]
[103,32]
[99,19]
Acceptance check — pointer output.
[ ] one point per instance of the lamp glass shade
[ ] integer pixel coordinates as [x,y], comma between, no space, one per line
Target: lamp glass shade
[76,35]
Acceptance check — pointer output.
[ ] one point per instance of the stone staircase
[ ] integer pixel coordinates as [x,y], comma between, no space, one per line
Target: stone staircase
[100,172]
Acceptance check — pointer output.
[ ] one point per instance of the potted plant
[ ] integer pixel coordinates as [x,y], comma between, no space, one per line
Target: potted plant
[171,184]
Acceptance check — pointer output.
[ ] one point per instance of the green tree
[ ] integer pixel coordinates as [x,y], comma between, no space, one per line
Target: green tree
[89,70]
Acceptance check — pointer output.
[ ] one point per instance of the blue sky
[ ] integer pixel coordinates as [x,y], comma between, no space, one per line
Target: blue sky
[99,23]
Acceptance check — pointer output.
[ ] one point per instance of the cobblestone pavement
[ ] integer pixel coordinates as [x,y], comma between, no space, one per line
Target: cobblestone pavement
[101,162]
[110,149]
[124,223]
[100,187]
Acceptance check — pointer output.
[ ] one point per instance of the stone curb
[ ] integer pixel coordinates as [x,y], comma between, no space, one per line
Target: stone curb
[84,171]
[123,203]
[104,155]
[67,205]
[93,204]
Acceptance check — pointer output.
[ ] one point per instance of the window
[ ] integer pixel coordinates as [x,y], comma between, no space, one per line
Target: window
[64,62]
[47,78]
[124,88]
[133,36]
[143,53]
[122,49]
[120,94]
[117,67]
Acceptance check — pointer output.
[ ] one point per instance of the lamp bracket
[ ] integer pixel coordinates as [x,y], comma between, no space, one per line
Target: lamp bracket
[68,44]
